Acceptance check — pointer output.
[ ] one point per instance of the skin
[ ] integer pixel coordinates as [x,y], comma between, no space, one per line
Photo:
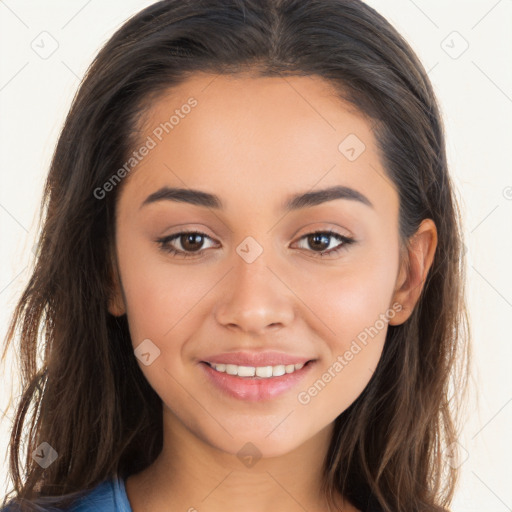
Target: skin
[254,142]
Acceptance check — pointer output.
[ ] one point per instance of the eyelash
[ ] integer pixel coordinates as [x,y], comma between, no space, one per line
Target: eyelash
[165,246]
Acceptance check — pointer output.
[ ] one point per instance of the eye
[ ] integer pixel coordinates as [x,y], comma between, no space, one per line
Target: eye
[191,243]
[321,240]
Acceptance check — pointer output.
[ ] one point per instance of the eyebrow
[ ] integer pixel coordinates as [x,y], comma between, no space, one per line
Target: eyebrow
[295,202]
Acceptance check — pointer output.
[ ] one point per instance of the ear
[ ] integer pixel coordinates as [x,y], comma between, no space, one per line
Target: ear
[416,262]
[116,301]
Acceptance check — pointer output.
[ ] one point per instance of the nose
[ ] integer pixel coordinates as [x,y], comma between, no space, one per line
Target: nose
[254,298]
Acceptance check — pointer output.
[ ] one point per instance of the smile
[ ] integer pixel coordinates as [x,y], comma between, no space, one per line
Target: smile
[263,372]
[255,383]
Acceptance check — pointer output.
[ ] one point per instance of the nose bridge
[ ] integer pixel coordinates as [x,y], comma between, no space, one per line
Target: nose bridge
[253,297]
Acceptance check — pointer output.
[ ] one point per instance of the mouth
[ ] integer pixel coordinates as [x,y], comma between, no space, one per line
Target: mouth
[255,383]
[257,372]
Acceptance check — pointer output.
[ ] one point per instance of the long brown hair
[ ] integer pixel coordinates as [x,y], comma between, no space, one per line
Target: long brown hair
[89,399]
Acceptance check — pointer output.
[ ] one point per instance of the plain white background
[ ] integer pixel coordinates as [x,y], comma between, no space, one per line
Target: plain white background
[465,46]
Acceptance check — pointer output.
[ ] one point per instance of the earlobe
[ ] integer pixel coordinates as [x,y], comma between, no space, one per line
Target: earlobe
[414,270]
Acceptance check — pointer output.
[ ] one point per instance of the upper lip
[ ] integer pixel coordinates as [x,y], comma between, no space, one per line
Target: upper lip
[269,358]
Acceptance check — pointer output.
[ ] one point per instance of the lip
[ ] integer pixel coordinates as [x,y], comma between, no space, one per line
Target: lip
[268,358]
[255,389]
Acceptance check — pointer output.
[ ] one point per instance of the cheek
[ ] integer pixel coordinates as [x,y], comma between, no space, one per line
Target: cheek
[352,298]
[160,299]
[355,307]
[160,295]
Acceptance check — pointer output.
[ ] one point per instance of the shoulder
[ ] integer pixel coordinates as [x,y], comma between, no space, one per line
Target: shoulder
[108,496]
[100,497]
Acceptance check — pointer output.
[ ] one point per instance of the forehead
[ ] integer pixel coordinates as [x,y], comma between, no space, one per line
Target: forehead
[259,135]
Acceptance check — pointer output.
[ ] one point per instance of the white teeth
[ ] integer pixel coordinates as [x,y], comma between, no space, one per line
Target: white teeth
[246,371]
[231,369]
[278,370]
[264,372]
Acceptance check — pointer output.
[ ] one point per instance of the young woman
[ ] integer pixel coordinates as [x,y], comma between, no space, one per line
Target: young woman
[249,281]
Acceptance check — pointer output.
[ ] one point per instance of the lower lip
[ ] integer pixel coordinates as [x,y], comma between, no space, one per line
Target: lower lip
[255,389]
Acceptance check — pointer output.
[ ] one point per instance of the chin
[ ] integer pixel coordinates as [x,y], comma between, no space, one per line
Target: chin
[251,447]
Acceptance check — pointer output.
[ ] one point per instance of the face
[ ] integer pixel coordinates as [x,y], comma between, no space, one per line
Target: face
[263,280]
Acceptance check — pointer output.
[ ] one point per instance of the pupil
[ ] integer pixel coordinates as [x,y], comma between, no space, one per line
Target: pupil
[323,240]
[191,239]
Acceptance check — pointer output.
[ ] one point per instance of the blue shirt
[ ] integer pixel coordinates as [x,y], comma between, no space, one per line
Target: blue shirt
[108,496]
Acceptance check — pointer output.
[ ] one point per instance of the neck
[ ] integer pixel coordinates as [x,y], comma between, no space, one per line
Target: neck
[192,475]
